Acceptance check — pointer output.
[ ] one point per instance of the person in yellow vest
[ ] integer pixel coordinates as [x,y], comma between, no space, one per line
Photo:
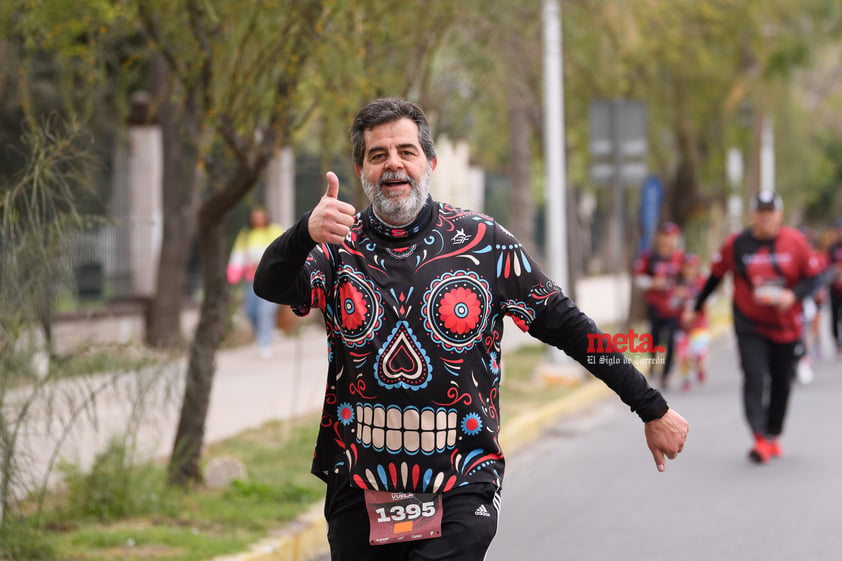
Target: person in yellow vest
[248,248]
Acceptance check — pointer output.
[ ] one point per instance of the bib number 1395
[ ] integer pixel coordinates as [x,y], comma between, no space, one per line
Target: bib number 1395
[412,511]
[395,517]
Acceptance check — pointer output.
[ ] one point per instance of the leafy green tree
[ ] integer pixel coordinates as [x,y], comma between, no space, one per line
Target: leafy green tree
[697,65]
[61,65]
[230,83]
[489,86]
[373,48]
[227,78]
[241,83]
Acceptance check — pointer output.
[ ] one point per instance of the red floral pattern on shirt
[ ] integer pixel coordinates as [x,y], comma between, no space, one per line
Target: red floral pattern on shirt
[354,308]
[460,310]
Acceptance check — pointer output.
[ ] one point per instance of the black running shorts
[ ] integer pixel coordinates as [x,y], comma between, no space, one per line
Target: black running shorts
[468,526]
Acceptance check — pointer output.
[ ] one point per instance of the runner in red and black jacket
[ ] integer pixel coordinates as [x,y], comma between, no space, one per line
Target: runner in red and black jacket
[657,272]
[773,269]
[834,259]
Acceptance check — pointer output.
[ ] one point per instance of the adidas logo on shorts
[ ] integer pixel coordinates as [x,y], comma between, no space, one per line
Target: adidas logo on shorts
[482,511]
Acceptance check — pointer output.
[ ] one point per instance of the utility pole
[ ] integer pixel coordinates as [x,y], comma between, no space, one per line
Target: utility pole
[554,153]
[767,155]
[557,365]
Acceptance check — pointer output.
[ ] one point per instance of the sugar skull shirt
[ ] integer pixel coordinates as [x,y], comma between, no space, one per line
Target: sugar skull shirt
[414,323]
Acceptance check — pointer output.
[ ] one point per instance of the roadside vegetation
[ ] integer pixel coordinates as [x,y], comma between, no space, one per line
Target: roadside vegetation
[93,358]
[120,510]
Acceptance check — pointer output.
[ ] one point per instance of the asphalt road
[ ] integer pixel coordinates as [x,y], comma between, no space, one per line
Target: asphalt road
[588,490]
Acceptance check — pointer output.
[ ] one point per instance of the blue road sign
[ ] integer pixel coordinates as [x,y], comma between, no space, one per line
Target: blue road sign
[651,197]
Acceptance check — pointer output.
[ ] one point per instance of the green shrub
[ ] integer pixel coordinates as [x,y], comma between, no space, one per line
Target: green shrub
[114,488]
[19,542]
[255,491]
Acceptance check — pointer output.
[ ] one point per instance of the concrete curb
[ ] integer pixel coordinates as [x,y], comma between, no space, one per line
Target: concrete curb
[303,539]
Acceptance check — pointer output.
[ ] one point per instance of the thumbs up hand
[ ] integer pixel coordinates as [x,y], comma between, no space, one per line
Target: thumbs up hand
[332,219]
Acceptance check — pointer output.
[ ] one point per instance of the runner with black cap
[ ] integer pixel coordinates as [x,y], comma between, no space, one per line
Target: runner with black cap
[773,270]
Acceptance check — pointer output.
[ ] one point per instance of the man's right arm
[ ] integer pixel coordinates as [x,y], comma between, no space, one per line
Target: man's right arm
[280,275]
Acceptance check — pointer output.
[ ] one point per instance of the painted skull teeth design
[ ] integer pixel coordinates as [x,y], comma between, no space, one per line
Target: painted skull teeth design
[410,430]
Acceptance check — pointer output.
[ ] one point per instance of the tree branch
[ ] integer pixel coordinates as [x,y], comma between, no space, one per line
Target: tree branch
[196,15]
[251,27]
[151,28]
[232,139]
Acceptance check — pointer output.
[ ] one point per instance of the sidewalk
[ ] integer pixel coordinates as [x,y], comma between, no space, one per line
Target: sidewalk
[247,392]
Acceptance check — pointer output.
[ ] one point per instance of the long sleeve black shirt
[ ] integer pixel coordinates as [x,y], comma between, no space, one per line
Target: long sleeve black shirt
[414,322]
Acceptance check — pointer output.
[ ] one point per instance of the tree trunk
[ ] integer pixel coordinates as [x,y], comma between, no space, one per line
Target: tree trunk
[607,252]
[682,195]
[190,435]
[213,315]
[521,203]
[181,181]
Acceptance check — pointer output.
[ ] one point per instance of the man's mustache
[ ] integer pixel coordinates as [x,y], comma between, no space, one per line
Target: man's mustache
[395,176]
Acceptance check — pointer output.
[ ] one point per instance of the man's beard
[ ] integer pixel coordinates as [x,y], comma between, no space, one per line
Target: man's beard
[398,211]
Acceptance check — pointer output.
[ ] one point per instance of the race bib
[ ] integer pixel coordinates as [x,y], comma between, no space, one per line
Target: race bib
[769,292]
[676,302]
[396,516]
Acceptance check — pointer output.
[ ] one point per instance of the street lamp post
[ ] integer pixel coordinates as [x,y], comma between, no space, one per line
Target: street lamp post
[557,365]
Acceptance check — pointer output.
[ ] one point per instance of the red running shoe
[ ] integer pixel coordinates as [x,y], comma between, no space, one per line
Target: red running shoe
[775,448]
[762,450]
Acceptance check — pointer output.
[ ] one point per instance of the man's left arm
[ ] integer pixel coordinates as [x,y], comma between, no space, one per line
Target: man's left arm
[554,319]
[563,325]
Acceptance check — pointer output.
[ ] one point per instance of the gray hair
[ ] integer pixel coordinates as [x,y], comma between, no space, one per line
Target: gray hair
[387,110]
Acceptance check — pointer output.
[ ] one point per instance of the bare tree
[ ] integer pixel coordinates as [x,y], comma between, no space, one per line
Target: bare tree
[230,97]
[181,184]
